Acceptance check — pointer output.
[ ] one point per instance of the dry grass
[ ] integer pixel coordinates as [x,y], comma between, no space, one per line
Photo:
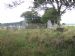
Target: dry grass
[37,42]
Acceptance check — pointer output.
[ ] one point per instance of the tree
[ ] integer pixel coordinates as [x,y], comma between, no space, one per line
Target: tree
[59,5]
[14,3]
[50,14]
[31,17]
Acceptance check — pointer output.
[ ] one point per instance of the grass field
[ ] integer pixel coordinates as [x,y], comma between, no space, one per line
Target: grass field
[37,42]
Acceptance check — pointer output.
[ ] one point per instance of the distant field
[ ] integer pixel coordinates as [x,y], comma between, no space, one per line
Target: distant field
[37,42]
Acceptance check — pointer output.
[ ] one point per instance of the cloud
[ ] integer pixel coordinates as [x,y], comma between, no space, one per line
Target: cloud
[69,17]
[12,15]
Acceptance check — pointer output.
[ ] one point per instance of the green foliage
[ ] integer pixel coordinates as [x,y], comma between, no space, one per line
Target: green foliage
[27,15]
[40,1]
[37,3]
[60,3]
[55,4]
[50,14]
[31,17]
[37,42]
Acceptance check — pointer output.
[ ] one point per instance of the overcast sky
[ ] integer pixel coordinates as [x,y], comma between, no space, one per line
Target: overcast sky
[8,15]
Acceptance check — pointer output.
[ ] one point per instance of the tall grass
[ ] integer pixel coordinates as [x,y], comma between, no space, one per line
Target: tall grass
[37,42]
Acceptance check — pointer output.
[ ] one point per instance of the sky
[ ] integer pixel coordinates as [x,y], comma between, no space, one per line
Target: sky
[8,15]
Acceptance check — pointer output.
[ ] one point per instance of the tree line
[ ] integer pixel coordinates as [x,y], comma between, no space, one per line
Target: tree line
[53,10]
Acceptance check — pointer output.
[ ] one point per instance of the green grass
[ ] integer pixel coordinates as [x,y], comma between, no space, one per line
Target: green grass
[37,42]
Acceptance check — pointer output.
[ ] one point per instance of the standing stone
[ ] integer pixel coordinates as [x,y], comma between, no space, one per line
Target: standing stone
[49,24]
